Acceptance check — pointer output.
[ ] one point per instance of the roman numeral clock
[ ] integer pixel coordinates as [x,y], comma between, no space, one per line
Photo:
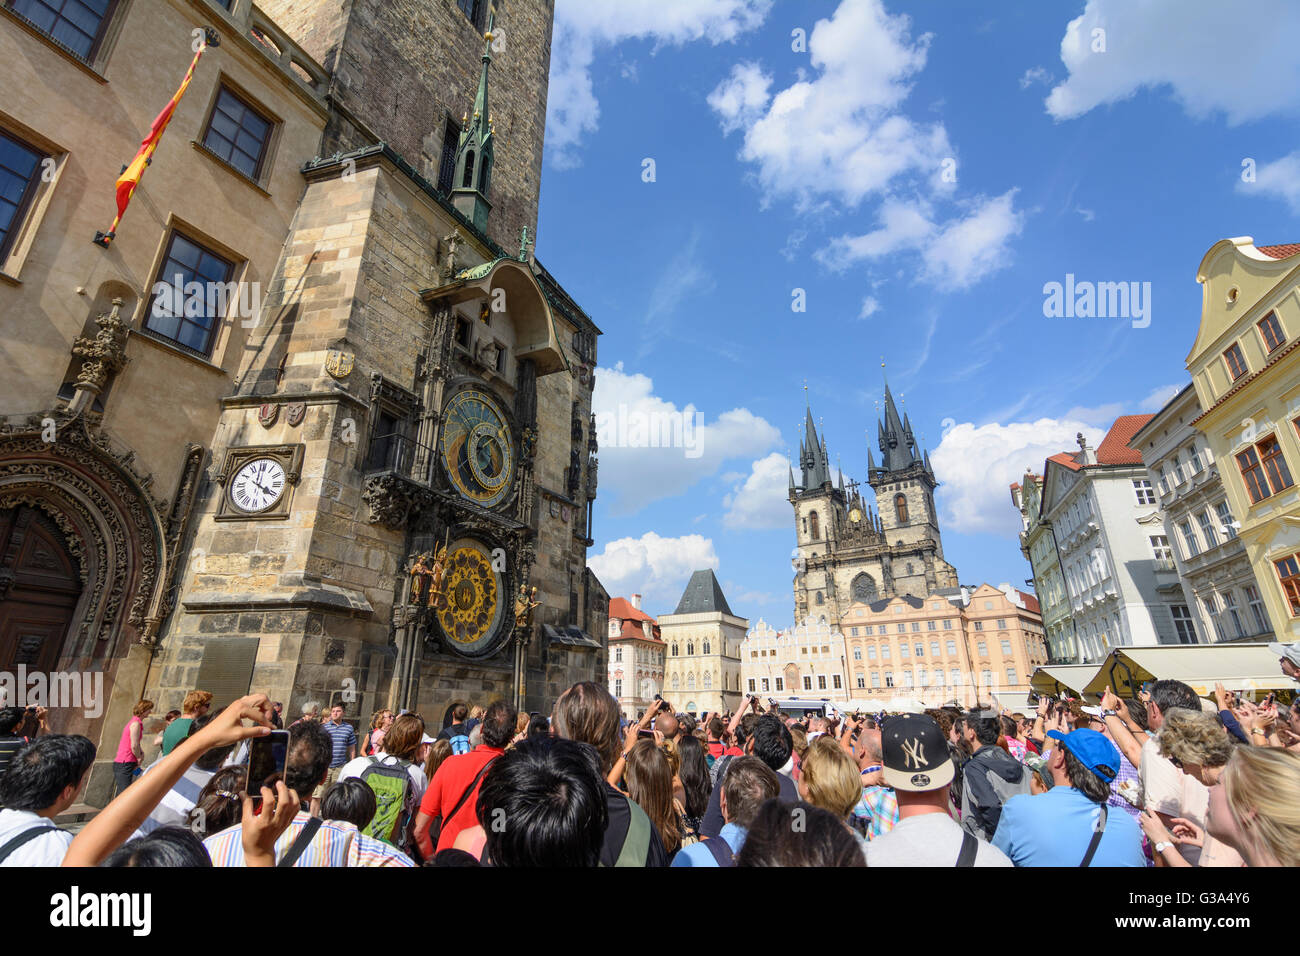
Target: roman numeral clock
[258,482]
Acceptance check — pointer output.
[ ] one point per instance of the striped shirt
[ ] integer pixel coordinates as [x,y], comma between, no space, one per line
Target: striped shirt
[176,804]
[342,736]
[336,843]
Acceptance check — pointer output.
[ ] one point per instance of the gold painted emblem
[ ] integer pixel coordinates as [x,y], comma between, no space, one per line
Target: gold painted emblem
[471,589]
[339,363]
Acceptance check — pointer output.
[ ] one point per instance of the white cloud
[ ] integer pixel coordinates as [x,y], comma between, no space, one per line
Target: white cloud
[760,501]
[1213,60]
[1103,416]
[1034,75]
[583,26]
[654,567]
[1279,179]
[839,134]
[953,255]
[650,449]
[977,465]
[870,306]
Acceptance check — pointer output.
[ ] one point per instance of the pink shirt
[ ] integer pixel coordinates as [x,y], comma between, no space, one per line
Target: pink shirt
[124,752]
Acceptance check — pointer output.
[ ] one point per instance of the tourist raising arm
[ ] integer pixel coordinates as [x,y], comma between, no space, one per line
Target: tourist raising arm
[633,735]
[261,828]
[1117,722]
[123,816]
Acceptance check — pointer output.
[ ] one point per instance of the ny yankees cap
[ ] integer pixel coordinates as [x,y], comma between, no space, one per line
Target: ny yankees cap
[916,754]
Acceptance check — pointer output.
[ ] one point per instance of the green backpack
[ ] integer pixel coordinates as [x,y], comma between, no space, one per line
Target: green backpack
[391,784]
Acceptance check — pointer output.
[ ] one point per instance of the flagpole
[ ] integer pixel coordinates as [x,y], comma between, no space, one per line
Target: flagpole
[133,172]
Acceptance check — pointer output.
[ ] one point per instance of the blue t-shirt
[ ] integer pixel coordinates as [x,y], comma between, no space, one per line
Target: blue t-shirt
[1055,828]
[697,854]
[342,736]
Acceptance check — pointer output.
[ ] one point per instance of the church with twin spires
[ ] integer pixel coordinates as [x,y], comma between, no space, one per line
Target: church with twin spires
[851,552]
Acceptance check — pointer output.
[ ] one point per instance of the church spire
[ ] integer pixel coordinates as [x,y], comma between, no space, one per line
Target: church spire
[896,441]
[813,458]
[474,151]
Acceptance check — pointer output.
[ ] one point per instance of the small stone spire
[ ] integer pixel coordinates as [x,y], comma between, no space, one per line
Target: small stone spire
[474,152]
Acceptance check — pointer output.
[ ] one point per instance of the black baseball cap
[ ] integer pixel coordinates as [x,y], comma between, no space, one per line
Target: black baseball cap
[915,753]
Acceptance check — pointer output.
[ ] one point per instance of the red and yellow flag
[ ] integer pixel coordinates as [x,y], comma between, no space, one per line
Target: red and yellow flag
[134,172]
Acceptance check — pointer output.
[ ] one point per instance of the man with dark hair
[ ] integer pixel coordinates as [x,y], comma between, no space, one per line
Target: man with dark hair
[768,739]
[1070,824]
[544,805]
[308,841]
[458,730]
[589,714]
[175,806]
[749,782]
[11,741]
[991,776]
[453,792]
[717,749]
[42,781]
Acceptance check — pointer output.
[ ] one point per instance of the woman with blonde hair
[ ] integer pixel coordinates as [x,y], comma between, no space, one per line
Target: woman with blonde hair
[830,779]
[439,751]
[649,779]
[1256,806]
[380,721]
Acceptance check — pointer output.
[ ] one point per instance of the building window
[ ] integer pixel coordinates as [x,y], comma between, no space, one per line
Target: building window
[871,652]
[690,649]
[916,625]
[867,630]
[902,628]
[1225,519]
[954,677]
[1236,362]
[807,683]
[853,632]
[952,648]
[1207,529]
[674,650]
[765,687]
[986,678]
[918,650]
[708,681]
[690,681]
[900,508]
[19,181]
[473,10]
[1011,676]
[237,133]
[1256,603]
[1145,494]
[1230,609]
[813,524]
[904,650]
[907,678]
[889,679]
[1189,539]
[947,625]
[1160,548]
[934,648]
[862,682]
[780,683]
[857,653]
[884,652]
[821,681]
[706,647]
[930,625]
[983,649]
[820,599]
[618,655]
[618,687]
[1275,468]
[1211,604]
[677,683]
[175,313]
[78,25]
[751,685]
[1006,648]
[803,651]
[979,625]
[1271,330]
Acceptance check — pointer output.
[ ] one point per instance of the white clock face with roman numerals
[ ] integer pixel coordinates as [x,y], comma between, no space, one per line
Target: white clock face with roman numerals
[258,485]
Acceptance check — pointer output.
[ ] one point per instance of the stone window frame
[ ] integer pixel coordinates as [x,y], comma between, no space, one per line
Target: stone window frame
[402,404]
[32,209]
[270,146]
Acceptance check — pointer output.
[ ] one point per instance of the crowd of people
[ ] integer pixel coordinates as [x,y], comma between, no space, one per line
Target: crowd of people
[1163,779]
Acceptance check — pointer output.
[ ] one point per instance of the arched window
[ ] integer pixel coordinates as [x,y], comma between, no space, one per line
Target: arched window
[690,648]
[900,508]
[820,599]
[706,647]
[690,682]
[468,179]
[909,567]
[708,681]
[864,588]
[674,650]
[812,524]
[485,170]
[618,655]
[677,682]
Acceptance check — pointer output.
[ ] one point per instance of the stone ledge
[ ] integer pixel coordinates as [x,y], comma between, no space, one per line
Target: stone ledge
[319,597]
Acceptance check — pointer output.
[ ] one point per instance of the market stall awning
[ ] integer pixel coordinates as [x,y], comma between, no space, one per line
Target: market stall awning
[1238,667]
[1057,679]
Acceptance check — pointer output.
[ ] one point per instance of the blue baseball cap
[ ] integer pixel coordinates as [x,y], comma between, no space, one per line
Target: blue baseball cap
[1093,750]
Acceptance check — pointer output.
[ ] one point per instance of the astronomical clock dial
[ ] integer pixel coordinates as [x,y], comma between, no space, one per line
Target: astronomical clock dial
[474,604]
[477,450]
[258,485]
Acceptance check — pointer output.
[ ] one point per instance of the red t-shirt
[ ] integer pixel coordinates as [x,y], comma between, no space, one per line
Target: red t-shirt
[449,784]
[718,749]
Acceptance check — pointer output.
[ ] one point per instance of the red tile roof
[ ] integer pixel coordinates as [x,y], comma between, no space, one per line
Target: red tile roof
[1114,449]
[1280,252]
[1065,458]
[1031,602]
[622,609]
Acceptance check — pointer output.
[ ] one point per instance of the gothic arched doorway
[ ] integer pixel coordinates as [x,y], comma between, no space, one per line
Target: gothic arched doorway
[40,585]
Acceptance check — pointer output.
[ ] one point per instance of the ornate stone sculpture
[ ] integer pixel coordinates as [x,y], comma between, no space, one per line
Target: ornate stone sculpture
[105,354]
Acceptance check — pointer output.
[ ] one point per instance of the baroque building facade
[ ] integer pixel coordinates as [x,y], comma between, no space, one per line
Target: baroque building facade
[847,551]
[1245,367]
[1039,546]
[702,669]
[1200,551]
[365,475]
[636,656]
[804,661]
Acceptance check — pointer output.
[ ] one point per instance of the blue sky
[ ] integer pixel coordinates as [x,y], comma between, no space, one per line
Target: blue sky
[920,171]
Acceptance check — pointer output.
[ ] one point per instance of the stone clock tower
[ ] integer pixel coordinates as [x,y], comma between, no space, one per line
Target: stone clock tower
[398,506]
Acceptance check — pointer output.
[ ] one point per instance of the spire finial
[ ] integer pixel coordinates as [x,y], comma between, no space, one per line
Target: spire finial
[524,243]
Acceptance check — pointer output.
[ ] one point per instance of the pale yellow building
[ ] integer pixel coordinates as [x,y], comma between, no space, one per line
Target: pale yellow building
[703,638]
[1245,366]
[805,661]
[966,645]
